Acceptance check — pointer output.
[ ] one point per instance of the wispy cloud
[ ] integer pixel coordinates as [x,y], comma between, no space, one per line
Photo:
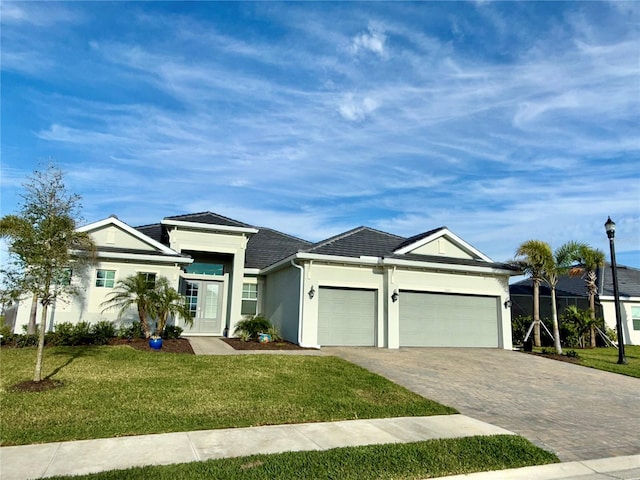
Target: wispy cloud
[502,123]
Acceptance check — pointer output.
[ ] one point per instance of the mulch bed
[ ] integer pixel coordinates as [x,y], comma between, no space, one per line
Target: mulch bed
[555,356]
[41,386]
[171,345]
[238,344]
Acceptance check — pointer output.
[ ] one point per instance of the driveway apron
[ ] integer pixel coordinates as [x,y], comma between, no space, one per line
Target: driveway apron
[576,412]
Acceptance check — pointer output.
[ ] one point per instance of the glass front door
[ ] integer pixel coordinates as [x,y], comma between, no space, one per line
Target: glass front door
[204,299]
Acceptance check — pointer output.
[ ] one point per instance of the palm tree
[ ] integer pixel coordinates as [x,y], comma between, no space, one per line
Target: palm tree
[531,258]
[165,302]
[134,291]
[559,264]
[590,260]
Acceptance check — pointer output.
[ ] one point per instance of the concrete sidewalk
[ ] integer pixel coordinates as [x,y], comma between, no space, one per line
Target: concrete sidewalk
[89,456]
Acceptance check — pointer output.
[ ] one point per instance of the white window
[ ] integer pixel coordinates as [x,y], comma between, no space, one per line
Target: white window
[105,278]
[635,316]
[149,277]
[249,299]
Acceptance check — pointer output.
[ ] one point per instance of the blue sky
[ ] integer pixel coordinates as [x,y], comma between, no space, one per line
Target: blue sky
[503,121]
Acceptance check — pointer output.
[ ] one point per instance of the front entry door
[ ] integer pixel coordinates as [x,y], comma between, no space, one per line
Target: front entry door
[205,303]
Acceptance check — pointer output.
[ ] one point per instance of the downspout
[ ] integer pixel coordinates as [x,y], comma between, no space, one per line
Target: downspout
[301,288]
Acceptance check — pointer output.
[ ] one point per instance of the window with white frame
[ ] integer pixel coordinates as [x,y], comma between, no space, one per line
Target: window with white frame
[249,299]
[105,278]
[635,316]
[149,277]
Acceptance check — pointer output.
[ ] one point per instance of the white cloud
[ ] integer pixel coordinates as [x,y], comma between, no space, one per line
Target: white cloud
[373,40]
[357,109]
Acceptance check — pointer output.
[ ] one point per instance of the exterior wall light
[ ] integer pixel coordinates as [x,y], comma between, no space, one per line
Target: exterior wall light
[394,296]
[508,303]
[312,292]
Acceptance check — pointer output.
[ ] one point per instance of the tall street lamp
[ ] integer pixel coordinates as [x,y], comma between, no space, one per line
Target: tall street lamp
[610,227]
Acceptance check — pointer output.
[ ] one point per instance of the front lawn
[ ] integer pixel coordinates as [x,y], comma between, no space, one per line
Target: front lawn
[433,458]
[607,359]
[117,391]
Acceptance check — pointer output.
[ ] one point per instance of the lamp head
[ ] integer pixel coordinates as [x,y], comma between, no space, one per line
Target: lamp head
[610,227]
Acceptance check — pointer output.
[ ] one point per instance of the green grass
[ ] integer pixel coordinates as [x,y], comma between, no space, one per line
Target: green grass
[607,359]
[117,391]
[432,458]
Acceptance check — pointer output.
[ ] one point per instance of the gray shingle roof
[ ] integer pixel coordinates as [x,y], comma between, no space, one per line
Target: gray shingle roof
[628,284]
[269,246]
[210,219]
[154,231]
[357,242]
[417,238]
[628,281]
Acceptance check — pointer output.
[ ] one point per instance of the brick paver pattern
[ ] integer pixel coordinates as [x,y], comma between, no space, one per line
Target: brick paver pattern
[576,412]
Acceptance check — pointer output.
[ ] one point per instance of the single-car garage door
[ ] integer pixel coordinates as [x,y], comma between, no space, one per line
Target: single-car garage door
[446,320]
[346,316]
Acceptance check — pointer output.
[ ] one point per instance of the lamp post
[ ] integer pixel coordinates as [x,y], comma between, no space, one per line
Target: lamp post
[610,227]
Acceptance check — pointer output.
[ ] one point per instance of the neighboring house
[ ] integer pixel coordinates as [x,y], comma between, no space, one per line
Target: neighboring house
[363,287]
[573,291]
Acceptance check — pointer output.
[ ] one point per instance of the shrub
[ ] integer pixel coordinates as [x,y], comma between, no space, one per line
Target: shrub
[68,334]
[172,331]
[7,336]
[134,330]
[27,340]
[251,326]
[571,354]
[102,332]
[275,334]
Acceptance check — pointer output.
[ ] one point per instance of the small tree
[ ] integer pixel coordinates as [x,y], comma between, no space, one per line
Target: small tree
[134,291]
[167,302]
[590,260]
[556,266]
[531,258]
[44,245]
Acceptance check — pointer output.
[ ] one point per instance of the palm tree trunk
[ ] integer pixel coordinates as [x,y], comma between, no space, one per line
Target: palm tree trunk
[536,313]
[556,328]
[592,313]
[31,326]
[37,375]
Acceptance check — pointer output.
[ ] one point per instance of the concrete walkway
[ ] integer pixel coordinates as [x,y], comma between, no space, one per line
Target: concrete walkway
[90,456]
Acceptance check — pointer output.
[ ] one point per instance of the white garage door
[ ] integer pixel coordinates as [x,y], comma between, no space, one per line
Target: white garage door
[346,316]
[441,320]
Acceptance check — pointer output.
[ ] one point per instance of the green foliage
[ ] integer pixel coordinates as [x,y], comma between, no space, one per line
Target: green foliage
[43,244]
[612,333]
[275,334]
[6,335]
[575,326]
[250,327]
[102,332]
[133,330]
[165,301]
[572,354]
[172,331]
[26,340]
[404,461]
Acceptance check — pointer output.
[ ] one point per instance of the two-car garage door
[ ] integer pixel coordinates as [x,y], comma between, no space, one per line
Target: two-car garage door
[447,320]
[346,316]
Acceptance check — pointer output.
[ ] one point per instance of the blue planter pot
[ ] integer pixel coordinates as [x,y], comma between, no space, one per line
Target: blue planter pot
[155,343]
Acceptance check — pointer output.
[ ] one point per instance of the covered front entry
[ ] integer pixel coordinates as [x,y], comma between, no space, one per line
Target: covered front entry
[347,316]
[205,301]
[448,320]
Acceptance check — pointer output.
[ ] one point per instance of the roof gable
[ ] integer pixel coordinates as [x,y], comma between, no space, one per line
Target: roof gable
[112,234]
[208,218]
[361,241]
[440,242]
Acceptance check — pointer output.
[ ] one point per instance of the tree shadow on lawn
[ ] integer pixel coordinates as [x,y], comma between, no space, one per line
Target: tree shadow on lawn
[48,382]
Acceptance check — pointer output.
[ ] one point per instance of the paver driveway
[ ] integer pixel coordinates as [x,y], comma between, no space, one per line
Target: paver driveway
[578,413]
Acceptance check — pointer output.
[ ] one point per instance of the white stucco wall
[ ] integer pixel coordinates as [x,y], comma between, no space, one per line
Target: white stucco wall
[442,247]
[386,280]
[281,297]
[85,306]
[631,336]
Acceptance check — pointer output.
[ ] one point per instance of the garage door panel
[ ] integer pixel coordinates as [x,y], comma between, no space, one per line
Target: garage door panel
[444,320]
[346,317]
